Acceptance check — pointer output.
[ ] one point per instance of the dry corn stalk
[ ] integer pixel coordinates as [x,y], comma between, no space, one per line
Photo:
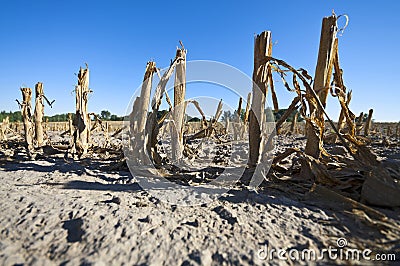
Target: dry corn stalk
[97,122]
[359,119]
[39,113]
[152,125]
[212,125]
[341,116]
[139,113]
[82,120]
[292,107]
[132,118]
[339,90]
[262,49]
[237,125]
[178,113]
[246,116]
[345,113]
[46,125]
[4,128]
[70,125]
[239,110]
[246,113]
[218,112]
[27,118]
[227,125]
[106,135]
[368,122]
[293,126]
[144,100]
[388,131]
[308,98]
[326,54]
[203,116]
[359,123]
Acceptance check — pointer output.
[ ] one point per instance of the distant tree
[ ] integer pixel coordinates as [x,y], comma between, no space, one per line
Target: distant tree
[276,115]
[16,116]
[116,118]
[269,114]
[365,117]
[13,116]
[105,115]
[194,119]
[242,113]
[57,118]
[187,117]
[226,115]
[161,113]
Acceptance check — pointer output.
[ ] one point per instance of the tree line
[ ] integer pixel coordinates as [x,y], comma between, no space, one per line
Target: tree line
[271,115]
[17,117]
[107,116]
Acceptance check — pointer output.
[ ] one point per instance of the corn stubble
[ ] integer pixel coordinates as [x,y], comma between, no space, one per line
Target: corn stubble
[323,172]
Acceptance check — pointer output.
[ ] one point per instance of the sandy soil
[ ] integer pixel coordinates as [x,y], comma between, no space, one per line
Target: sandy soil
[58,212]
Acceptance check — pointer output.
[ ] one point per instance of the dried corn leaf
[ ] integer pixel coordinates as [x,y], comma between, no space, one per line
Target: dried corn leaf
[293,106]
[279,157]
[381,189]
[197,105]
[305,74]
[342,202]
[273,93]
[319,170]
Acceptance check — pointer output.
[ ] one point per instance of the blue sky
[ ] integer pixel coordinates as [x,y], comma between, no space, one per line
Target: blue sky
[48,41]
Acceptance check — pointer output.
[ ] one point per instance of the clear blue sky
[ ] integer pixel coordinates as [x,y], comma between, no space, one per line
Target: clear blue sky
[48,40]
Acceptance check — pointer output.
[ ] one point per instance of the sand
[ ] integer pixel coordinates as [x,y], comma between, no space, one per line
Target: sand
[63,212]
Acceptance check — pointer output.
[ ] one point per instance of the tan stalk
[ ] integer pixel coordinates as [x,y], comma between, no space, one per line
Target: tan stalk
[82,119]
[293,126]
[368,122]
[39,113]
[4,128]
[262,49]
[152,125]
[237,125]
[359,123]
[27,118]
[246,113]
[323,73]
[142,111]
[178,113]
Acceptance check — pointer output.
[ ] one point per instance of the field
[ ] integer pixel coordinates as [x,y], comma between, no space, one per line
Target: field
[56,210]
[254,186]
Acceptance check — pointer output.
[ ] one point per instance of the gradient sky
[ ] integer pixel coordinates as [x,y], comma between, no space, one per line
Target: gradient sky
[48,41]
